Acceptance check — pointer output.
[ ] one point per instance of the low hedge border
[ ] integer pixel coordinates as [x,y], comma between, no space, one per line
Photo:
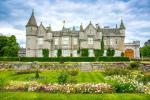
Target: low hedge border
[64,59]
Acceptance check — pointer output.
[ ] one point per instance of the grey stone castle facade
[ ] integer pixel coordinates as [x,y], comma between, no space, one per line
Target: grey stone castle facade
[70,40]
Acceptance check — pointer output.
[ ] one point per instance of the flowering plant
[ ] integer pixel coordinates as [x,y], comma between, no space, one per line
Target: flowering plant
[60,88]
[127,84]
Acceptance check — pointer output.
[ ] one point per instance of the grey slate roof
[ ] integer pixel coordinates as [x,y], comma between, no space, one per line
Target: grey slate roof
[32,21]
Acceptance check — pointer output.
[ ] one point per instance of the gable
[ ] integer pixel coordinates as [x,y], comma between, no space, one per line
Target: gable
[90,30]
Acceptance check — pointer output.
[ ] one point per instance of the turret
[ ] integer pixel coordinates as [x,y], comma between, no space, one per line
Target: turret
[49,29]
[31,33]
[31,26]
[81,28]
[122,25]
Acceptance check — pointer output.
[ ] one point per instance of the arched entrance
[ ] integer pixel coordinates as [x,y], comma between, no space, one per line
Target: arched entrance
[129,53]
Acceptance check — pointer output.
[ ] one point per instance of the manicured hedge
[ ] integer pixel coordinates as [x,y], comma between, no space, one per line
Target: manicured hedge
[65,59]
[60,59]
[113,59]
[9,58]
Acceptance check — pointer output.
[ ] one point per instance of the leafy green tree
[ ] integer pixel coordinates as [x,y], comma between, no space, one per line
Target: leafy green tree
[45,52]
[9,46]
[145,51]
[3,43]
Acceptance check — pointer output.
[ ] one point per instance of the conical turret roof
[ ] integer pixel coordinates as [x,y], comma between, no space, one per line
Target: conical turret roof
[122,25]
[32,21]
[81,28]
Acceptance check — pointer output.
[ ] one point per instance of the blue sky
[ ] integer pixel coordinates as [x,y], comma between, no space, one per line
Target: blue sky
[14,15]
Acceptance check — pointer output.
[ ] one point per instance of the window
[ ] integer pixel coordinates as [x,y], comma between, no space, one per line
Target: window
[56,41]
[105,42]
[55,53]
[39,53]
[111,41]
[65,53]
[75,41]
[28,41]
[40,41]
[74,53]
[91,53]
[65,40]
[116,41]
[90,40]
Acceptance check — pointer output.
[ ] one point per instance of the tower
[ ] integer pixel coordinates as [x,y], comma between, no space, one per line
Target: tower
[122,34]
[31,34]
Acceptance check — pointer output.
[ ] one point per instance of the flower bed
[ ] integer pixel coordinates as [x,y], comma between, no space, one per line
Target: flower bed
[58,88]
[127,84]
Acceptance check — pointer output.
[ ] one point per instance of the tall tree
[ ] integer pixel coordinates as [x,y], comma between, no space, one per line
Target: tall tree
[9,46]
[145,51]
[102,46]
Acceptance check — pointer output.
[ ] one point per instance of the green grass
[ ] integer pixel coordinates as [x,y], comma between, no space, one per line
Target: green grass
[51,76]
[48,96]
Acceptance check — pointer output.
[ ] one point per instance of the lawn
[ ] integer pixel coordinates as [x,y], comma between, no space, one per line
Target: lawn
[51,76]
[48,96]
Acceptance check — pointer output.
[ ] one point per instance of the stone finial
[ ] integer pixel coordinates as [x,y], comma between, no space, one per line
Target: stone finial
[122,25]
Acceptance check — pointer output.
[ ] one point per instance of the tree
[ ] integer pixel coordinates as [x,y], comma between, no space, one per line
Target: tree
[8,46]
[45,52]
[3,43]
[145,51]
[102,46]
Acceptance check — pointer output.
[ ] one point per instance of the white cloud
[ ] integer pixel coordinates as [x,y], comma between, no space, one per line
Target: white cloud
[108,12]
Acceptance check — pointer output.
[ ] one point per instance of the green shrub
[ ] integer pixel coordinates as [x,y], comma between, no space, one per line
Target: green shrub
[134,65]
[62,78]
[45,52]
[98,52]
[110,52]
[109,59]
[116,71]
[84,53]
[37,74]
[64,59]
[9,58]
[59,53]
[73,72]
[73,80]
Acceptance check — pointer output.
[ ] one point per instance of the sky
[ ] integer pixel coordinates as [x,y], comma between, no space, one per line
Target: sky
[14,15]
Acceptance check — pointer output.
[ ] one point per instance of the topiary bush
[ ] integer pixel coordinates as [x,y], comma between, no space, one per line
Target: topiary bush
[73,72]
[62,78]
[45,52]
[84,53]
[134,65]
[110,52]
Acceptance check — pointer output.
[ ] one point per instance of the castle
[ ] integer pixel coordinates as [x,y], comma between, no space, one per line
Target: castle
[70,40]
